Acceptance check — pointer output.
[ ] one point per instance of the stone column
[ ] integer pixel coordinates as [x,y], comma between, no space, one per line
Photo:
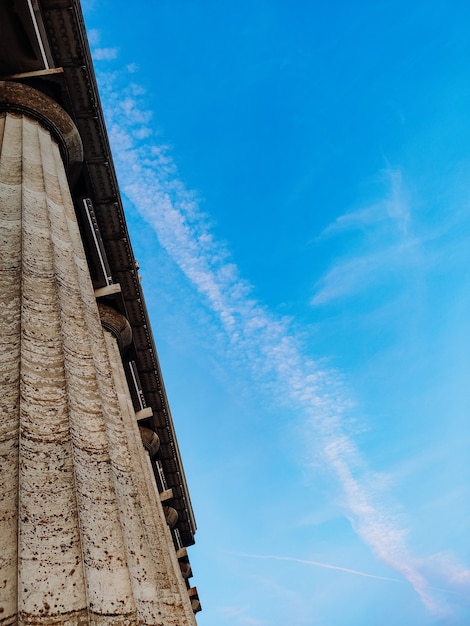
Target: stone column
[74,545]
[159,590]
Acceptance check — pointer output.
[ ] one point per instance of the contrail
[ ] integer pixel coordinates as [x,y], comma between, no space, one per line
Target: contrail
[325,565]
[343,569]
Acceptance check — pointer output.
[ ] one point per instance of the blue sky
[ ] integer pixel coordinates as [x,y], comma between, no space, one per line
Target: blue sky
[296,182]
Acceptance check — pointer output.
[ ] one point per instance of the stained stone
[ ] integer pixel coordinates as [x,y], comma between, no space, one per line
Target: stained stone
[84,538]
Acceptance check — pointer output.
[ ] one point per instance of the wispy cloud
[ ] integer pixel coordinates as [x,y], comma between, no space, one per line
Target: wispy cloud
[387,245]
[104,54]
[393,208]
[94,36]
[263,342]
[354,275]
[397,204]
[356,220]
[379,530]
[99,53]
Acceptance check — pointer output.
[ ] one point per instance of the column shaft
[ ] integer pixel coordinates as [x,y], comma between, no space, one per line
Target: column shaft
[83,538]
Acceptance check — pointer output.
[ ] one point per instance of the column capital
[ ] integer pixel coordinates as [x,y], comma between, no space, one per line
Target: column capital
[20,98]
[117,324]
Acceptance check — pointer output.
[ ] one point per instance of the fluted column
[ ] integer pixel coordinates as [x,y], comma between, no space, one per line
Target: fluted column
[74,541]
[151,552]
[10,350]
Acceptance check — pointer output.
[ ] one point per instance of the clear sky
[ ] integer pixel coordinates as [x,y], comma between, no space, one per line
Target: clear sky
[296,177]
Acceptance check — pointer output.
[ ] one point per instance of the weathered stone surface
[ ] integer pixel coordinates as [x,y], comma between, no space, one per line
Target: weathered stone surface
[10,346]
[83,536]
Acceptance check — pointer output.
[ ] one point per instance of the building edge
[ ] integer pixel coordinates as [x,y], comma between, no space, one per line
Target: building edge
[48,51]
